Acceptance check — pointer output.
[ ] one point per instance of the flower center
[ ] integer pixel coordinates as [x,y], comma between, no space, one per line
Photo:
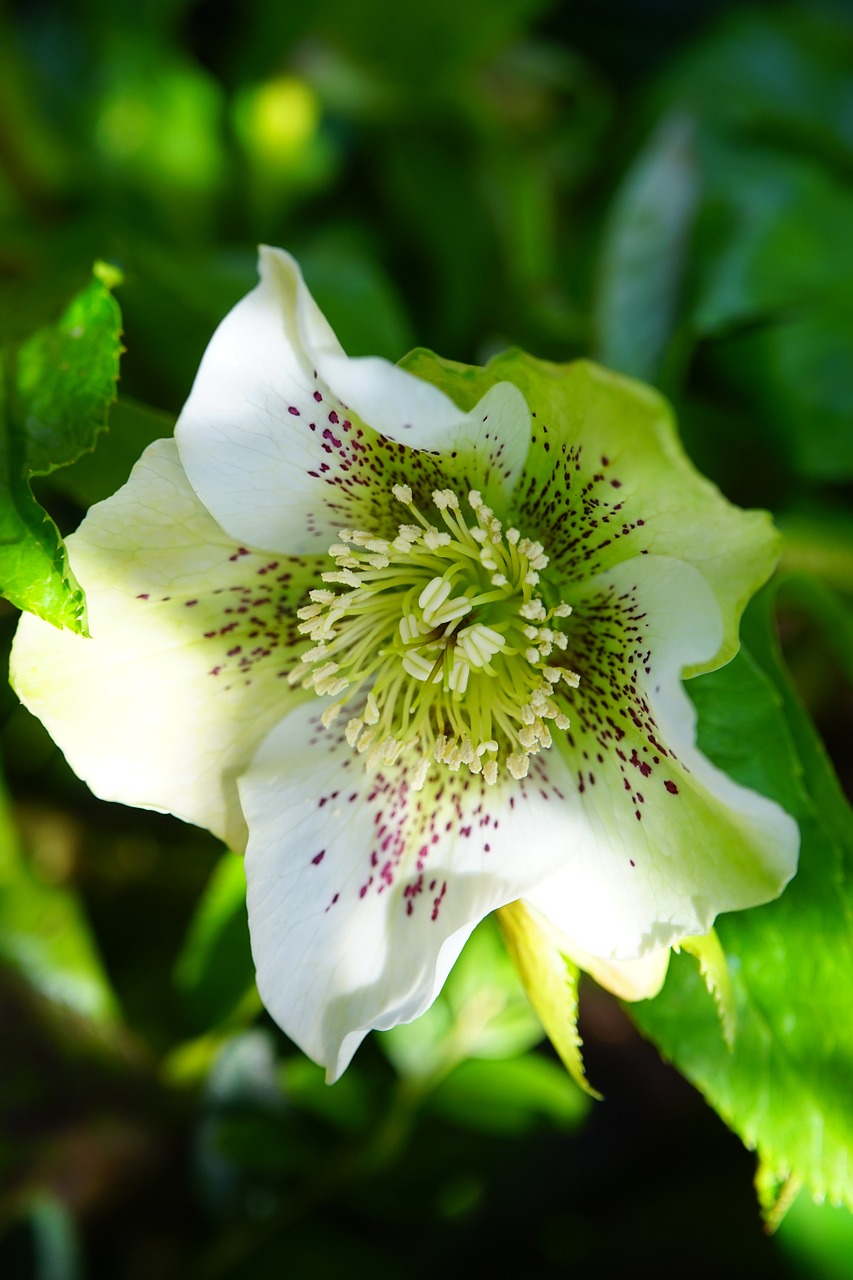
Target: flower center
[442,640]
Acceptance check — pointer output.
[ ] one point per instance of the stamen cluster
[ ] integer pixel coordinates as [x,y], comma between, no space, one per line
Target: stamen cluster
[442,641]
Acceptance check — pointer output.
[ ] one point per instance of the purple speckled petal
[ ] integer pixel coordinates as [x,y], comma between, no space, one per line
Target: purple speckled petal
[362,892]
[667,841]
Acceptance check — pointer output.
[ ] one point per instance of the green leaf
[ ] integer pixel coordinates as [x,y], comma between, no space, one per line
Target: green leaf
[65,377]
[819,1238]
[96,476]
[511,1095]
[214,970]
[785,1086]
[56,392]
[781,72]
[644,253]
[770,236]
[34,570]
[44,935]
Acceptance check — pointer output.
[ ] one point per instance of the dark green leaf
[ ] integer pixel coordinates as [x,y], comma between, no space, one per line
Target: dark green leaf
[44,935]
[214,970]
[644,252]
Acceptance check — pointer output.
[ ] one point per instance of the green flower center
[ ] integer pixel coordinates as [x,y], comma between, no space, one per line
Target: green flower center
[443,641]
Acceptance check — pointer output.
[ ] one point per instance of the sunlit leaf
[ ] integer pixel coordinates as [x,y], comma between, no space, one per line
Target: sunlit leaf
[65,377]
[58,388]
[784,1086]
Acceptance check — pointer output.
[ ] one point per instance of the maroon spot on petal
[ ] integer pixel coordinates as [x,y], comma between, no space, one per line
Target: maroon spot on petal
[293,409]
[143,595]
[671,787]
[318,857]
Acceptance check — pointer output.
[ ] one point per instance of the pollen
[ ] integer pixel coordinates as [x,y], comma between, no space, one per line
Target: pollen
[444,644]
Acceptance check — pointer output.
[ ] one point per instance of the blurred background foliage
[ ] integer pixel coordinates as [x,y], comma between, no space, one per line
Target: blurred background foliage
[665,186]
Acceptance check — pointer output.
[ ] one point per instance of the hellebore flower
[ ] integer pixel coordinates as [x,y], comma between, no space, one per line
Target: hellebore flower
[413,638]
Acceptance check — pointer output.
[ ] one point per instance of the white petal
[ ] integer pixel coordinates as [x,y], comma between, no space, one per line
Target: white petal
[668,841]
[362,892]
[285,440]
[182,677]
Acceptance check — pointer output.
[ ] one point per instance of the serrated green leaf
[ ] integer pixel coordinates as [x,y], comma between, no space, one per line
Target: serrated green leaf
[785,1086]
[34,570]
[55,395]
[64,379]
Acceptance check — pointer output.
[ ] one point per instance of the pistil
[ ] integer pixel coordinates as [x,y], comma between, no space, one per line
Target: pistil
[442,641]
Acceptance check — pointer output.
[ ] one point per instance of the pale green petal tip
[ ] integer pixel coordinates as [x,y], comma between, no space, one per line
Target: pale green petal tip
[551,981]
[714,968]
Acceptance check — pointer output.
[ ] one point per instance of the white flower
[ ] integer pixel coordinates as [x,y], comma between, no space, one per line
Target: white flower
[415,643]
